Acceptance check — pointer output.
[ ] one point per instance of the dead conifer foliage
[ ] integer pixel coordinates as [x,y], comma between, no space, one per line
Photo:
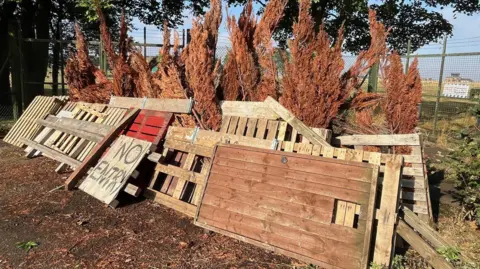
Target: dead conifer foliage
[81,75]
[315,97]
[403,94]
[250,71]
[200,67]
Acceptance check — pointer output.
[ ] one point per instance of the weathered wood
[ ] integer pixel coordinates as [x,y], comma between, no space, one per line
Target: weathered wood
[167,105]
[87,130]
[387,214]
[298,125]
[184,173]
[379,140]
[248,109]
[58,156]
[133,190]
[99,149]
[424,229]
[427,252]
[287,201]
[210,138]
[168,201]
[111,173]
[26,127]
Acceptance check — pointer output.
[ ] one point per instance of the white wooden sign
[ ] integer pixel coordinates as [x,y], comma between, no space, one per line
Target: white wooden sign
[456,90]
[111,173]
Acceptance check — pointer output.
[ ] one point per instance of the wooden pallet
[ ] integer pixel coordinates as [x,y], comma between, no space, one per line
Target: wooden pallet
[26,126]
[415,188]
[69,144]
[179,178]
[288,203]
[165,105]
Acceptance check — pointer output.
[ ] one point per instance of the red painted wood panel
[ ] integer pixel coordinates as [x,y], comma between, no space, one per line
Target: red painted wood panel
[150,125]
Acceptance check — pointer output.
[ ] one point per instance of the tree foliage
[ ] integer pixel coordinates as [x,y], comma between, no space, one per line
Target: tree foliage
[415,20]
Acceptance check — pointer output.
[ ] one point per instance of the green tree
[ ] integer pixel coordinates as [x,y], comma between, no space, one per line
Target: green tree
[415,20]
[54,19]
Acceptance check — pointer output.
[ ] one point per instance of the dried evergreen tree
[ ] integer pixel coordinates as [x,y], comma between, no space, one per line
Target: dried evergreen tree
[85,81]
[250,71]
[200,67]
[316,97]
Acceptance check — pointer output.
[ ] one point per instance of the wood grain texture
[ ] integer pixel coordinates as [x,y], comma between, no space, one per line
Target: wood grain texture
[287,200]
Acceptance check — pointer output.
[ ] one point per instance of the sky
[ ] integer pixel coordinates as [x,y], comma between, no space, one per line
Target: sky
[466,38]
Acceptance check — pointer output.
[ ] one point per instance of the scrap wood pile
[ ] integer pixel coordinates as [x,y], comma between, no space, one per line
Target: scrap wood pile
[240,150]
[265,177]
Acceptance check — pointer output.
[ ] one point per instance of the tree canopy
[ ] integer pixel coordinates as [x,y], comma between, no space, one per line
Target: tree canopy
[415,20]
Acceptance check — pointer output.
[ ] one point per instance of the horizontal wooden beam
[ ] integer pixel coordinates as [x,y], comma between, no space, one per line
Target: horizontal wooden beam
[189,147]
[90,131]
[53,154]
[379,140]
[168,201]
[248,109]
[167,105]
[181,173]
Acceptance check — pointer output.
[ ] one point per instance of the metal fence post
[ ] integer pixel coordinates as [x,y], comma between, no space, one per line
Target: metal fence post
[373,78]
[440,81]
[145,42]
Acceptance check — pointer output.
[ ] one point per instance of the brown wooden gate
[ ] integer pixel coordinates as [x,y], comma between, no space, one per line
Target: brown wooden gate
[290,203]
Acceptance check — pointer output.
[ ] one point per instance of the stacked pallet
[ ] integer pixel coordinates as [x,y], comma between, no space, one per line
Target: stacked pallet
[265,178]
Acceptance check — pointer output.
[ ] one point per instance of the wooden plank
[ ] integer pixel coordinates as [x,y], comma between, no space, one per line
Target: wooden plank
[251,127]
[111,173]
[182,181]
[296,123]
[427,252]
[423,192]
[242,124]
[379,140]
[181,173]
[53,154]
[340,212]
[167,105]
[99,149]
[424,229]
[272,127]
[225,124]
[200,186]
[83,129]
[189,147]
[387,214]
[211,139]
[168,201]
[282,129]
[232,127]
[248,109]
[261,128]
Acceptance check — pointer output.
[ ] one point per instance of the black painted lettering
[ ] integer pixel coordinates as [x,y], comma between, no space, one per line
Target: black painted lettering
[137,152]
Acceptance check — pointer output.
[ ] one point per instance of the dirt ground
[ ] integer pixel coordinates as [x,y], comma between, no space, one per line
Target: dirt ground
[74,230]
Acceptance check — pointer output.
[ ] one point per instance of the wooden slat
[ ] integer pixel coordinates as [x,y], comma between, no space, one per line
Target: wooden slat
[58,156]
[184,173]
[189,147]
[211,139]
[83,129]
[99,149]
[251,127]
[387,214]
[168,201]
[427,252]
[242,124]
[379,140]
[225,124]
[167,105]
[261,128]
[296,123]
[282,129]
[248,109]
[232,127]
[182,181]
[272,129]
